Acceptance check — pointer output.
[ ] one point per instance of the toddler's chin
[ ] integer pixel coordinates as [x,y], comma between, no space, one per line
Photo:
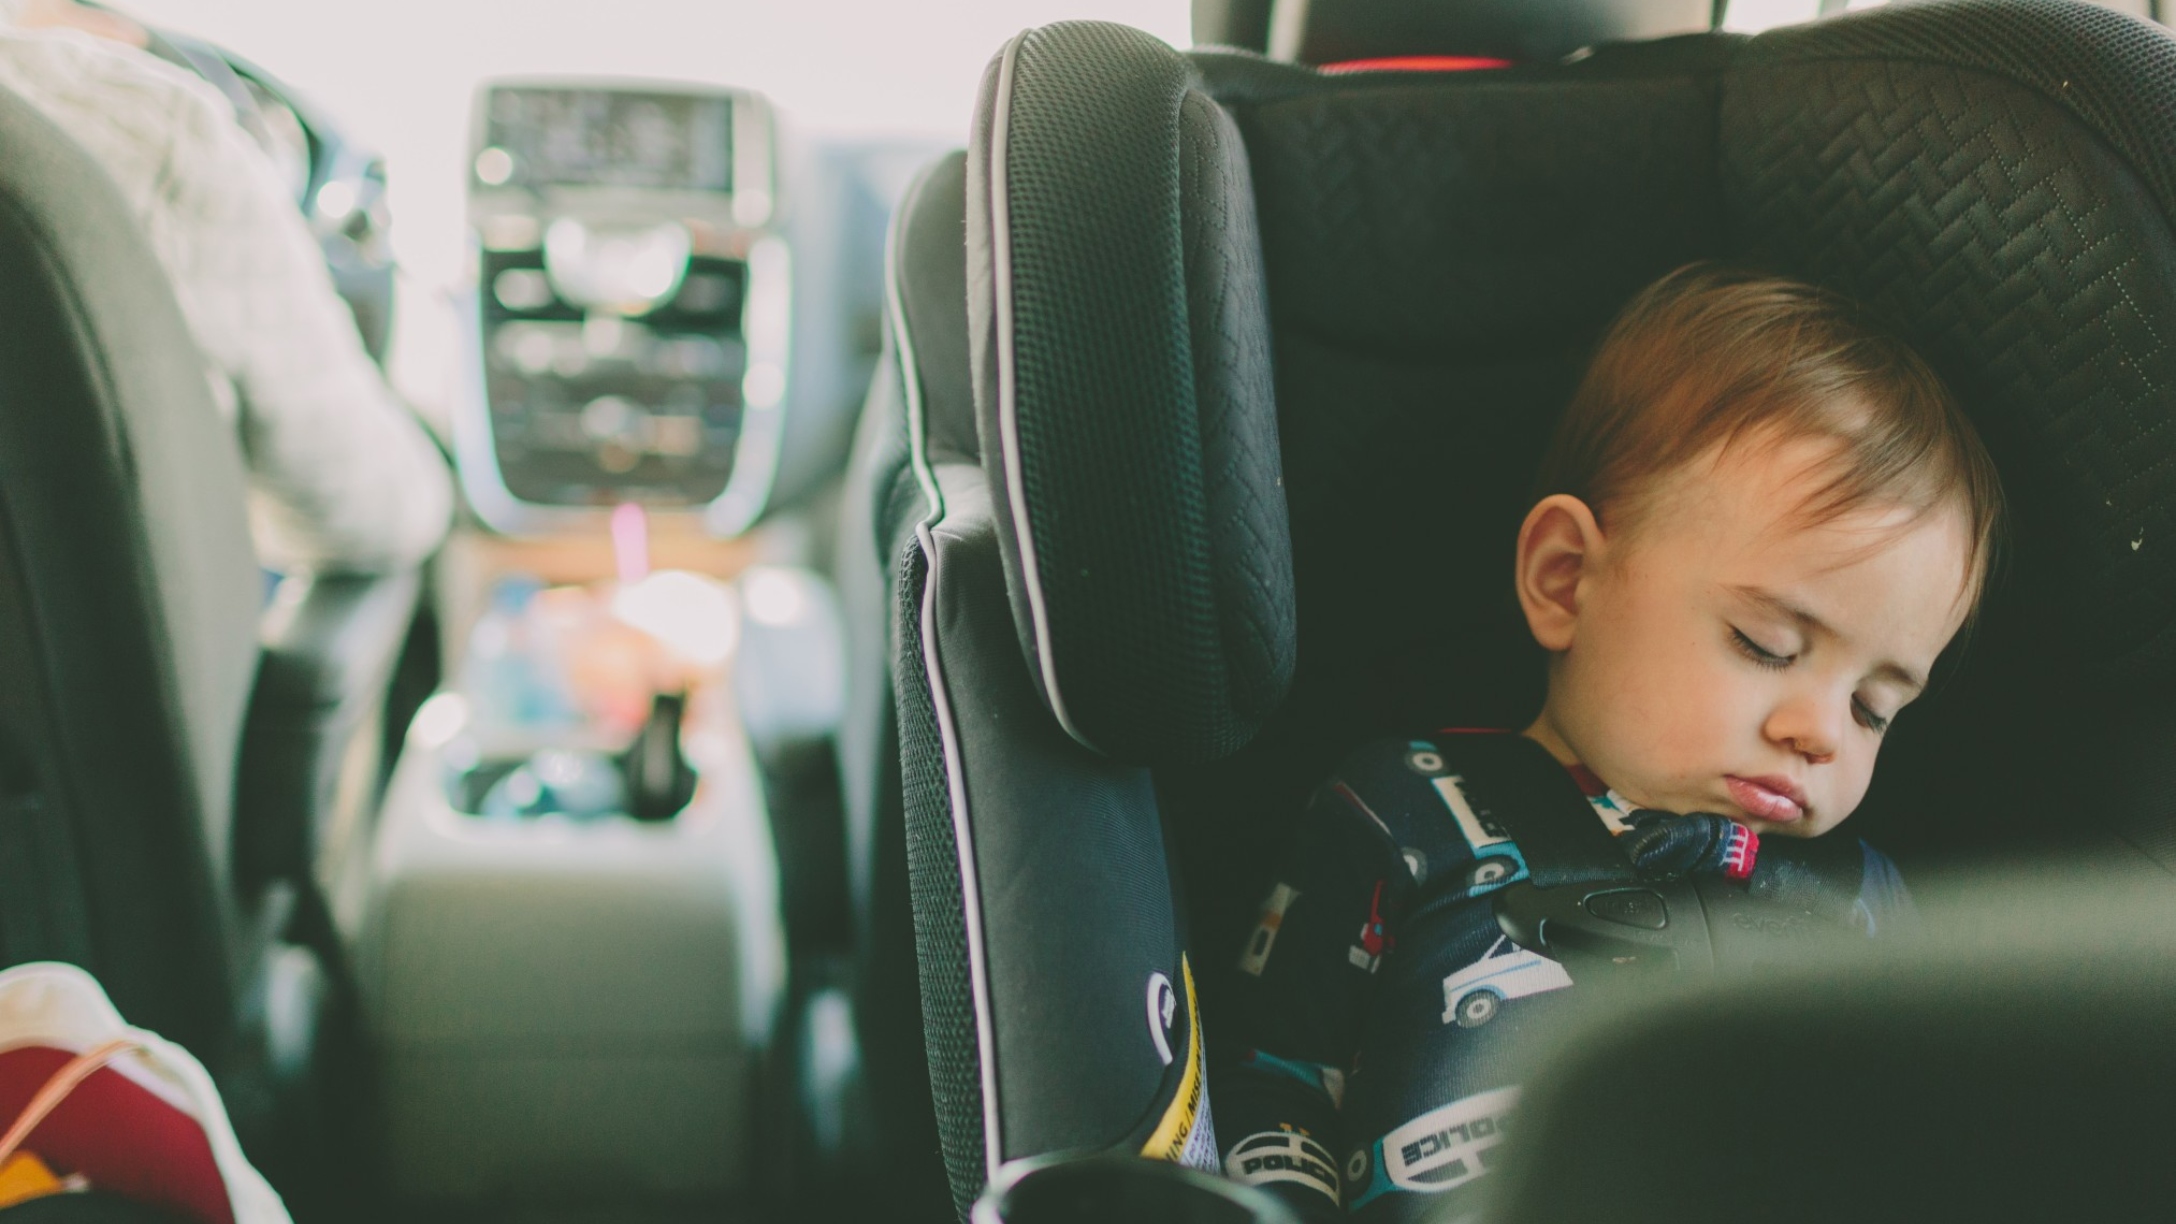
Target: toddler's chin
[1793,828]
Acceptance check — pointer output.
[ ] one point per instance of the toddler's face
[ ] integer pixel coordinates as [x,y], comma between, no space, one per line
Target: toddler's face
[1723,655]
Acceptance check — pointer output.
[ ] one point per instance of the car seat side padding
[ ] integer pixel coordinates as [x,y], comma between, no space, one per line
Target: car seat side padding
[1088,405]
[1227,312]
[1077,908]
[940,856]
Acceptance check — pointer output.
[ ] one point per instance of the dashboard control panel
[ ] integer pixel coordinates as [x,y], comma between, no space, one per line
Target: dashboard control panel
[628,304]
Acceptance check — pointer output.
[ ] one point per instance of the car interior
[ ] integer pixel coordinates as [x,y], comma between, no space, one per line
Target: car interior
[902,594]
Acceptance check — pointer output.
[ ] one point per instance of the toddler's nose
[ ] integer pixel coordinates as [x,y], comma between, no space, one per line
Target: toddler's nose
[1808,728]
[1814,755]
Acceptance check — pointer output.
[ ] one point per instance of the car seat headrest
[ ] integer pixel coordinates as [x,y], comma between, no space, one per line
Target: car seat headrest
[1122,385]
[1522,31]
[2027,251]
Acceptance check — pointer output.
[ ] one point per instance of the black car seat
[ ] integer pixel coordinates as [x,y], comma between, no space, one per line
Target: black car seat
[880,506]
[1218,302]
[129,656]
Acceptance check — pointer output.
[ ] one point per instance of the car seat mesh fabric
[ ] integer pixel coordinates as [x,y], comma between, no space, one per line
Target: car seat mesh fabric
[1110,214]
[949,1024]
[1068,1061]
[2026,260]
[128,591]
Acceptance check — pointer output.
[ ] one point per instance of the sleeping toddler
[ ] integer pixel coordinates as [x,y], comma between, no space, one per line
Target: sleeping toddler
[1761,520]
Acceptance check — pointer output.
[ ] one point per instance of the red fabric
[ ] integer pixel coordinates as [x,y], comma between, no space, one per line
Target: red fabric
[1589,785]
[1742,853]
[119,1135]
[1418,63]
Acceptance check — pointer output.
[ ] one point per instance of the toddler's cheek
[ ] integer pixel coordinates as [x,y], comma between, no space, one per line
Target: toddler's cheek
[1841,805]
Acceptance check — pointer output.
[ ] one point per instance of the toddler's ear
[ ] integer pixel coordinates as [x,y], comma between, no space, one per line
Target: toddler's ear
[1555,545]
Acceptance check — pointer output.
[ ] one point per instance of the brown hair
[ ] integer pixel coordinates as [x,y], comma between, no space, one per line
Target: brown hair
[1710,354]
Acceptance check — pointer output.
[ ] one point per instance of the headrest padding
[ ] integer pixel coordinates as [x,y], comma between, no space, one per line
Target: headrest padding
[1998,178]
[1123,394]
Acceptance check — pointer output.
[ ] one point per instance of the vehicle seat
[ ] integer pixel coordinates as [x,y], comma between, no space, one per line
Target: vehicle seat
[1217,302]
[2010,1070]
[129,655]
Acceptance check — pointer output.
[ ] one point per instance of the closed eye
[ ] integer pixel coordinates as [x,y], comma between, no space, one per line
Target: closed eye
[1867,718]
[1760,654]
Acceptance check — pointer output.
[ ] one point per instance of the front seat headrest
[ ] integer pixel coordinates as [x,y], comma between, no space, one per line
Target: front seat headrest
[1522,31]
[2011,1067]
[1122,384]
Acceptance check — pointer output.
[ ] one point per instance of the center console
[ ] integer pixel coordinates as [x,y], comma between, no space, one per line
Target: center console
[568,997]
[568,937]
[630,304]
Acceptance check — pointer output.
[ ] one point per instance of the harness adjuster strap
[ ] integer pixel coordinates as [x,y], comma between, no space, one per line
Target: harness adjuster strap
[1533,799]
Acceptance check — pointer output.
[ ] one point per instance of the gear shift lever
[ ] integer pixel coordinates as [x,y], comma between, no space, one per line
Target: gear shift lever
[659,779]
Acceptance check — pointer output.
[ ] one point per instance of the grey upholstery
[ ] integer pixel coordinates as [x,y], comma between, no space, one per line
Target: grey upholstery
[128,598]
[130,643]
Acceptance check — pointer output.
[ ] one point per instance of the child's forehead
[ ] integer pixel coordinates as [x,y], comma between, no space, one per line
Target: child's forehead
[1761,483]
[1770,504]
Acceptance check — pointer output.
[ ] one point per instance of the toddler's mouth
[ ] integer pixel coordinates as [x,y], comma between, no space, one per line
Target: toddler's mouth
[1769,797]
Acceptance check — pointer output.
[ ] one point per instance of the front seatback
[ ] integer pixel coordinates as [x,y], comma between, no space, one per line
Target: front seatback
[1437,254]
[1936,1081]
[128,597]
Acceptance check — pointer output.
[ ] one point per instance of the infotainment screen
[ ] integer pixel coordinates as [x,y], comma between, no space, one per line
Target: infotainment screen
[620,138]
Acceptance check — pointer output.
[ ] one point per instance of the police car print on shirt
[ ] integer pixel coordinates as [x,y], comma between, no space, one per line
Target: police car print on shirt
[1440,1150]
[1497,859]
[1285,1155]
[1473,995]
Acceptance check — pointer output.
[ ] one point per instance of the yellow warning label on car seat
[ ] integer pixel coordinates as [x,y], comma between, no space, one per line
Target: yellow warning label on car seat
[1185,1135]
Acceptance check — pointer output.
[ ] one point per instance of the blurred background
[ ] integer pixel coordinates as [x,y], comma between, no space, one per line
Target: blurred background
[401,80]
[400,75]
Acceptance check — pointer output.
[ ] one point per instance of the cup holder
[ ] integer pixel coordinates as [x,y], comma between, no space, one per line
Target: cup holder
[1120,1189]
[650,780]
[570,782]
